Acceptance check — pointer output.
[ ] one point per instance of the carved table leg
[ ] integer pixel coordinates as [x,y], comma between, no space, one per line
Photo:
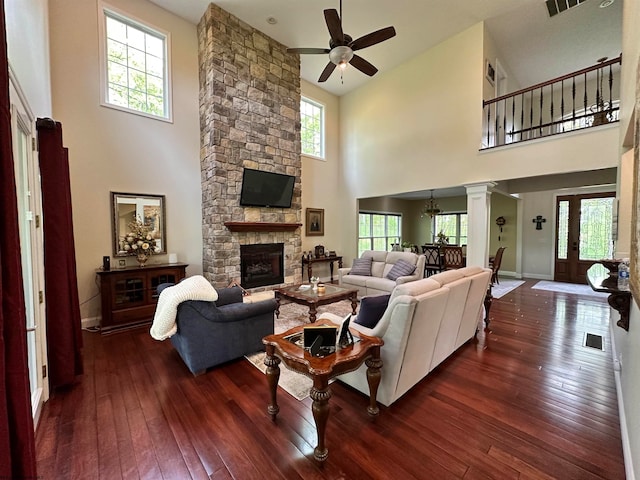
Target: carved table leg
[331,270]
[277,297]
[487,305]
[354,303]
[621,302]
[374,364]
[273,375]
[312,313]
[320,394]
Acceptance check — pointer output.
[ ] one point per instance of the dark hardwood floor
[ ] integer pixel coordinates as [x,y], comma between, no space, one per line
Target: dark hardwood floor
[525,401]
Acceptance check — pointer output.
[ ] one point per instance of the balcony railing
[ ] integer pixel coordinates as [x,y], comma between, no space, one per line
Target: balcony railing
[583,99]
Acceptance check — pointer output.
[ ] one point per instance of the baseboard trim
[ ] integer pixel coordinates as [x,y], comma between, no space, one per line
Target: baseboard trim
[537,276]
[624,433]
[90,322]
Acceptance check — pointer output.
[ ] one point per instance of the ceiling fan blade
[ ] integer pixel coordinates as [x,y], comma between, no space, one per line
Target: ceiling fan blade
[334,25]
[328,70]
[308,50]
[373,38]
[364,66]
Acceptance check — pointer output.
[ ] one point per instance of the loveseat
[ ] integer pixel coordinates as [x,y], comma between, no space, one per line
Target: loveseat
[424,322]
[213,332]
[382,263]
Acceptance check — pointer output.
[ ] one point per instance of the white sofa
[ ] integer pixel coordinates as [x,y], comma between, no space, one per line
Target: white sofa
[381,264]
[425,322]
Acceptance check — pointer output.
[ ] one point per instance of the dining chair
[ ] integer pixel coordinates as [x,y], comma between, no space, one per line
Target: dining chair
[453,257]
[433,263]
[495,265]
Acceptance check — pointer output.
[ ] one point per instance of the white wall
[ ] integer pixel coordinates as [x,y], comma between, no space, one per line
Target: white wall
[321,181]
[626,343]
[110,150]
[28,51]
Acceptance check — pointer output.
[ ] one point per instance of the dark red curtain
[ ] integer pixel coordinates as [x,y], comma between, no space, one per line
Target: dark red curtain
[64,331]
[17,446]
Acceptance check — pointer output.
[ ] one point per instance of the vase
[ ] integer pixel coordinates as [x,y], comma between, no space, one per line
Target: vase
[142,259]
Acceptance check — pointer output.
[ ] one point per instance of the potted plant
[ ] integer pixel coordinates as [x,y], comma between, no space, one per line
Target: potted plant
[406,246]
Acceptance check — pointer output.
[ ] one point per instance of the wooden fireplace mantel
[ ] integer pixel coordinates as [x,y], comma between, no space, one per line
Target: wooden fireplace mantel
[261,226]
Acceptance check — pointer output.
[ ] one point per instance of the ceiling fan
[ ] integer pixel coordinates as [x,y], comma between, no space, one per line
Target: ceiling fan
[342,46]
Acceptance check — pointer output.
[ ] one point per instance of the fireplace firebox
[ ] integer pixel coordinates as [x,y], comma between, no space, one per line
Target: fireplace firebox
[262,264]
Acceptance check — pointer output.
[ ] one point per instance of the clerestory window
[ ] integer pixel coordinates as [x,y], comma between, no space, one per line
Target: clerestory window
[312,128]
[136,66]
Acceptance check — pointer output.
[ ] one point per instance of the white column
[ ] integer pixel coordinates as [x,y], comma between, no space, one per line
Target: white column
[478,211]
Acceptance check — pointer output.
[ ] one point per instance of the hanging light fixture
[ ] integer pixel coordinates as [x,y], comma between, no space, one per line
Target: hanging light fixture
[431,208]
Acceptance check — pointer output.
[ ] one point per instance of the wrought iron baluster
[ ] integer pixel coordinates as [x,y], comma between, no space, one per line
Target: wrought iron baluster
[552,118]
[488,124]
[513,114]
[530,114]
[541,106]
[610,93]
[562,104]
[496,139]
[521,115]
[573,96]
[585,94]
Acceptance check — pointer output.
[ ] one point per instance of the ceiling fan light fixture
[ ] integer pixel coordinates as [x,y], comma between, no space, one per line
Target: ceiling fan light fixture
[341,56]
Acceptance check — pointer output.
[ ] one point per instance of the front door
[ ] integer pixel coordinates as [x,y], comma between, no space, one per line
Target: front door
[583,234]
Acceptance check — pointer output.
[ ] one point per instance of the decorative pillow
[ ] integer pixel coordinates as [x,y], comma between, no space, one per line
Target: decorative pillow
[401,268]
[361,266]
[371,310]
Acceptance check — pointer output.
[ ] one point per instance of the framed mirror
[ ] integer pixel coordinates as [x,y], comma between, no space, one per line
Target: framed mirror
[129,207]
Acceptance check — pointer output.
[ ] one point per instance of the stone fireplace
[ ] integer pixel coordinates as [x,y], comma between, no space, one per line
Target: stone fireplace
[249,117]
[261,265]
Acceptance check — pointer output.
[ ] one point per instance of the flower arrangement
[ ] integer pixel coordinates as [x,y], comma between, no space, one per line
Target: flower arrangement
[139,240]
[442,238]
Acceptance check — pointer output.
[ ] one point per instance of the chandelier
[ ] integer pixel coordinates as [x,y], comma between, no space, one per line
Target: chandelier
[431,208]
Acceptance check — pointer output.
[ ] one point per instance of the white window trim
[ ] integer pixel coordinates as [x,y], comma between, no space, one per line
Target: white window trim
[323,107]
[102,19]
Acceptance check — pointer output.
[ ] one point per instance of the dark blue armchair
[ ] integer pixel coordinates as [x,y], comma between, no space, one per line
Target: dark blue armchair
[211,333]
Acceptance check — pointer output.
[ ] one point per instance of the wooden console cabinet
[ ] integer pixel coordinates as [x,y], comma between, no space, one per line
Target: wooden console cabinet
[129,294]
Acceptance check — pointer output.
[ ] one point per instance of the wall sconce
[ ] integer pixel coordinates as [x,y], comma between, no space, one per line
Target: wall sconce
[539,221]
[500,221]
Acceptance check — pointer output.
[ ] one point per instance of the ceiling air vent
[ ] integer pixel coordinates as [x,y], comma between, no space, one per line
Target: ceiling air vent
[557,6]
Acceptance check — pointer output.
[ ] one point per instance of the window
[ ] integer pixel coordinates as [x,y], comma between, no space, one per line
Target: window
[453,225]
[312,128]
[378,231]
[136,67]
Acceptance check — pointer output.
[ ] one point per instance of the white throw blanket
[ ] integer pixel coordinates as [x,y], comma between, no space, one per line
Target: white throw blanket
[191,288]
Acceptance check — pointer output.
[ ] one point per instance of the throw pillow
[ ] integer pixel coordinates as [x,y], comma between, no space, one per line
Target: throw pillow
[371,310]
[361,266]
[401,268]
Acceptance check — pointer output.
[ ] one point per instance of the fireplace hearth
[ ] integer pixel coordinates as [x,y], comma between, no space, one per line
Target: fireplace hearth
[262,264]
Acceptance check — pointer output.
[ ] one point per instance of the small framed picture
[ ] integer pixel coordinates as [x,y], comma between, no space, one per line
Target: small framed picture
[489,72]
[314,222]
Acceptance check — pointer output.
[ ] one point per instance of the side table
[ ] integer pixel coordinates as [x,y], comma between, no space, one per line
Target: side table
[282,347]
[309,261]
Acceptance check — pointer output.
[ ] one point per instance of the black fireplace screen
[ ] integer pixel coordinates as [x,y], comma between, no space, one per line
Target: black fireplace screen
[262,264]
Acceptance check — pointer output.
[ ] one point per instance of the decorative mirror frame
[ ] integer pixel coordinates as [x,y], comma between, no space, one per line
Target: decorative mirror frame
[126,207]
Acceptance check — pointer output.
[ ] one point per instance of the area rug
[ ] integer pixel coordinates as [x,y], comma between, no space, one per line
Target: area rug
[292,315]
[505,286]
[573,288]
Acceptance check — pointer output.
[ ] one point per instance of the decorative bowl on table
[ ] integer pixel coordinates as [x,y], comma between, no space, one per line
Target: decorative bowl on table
[610,264]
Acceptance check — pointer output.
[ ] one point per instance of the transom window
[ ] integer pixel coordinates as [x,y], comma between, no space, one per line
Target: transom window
[312,128]
[378,231]
[136,66]
[453,225]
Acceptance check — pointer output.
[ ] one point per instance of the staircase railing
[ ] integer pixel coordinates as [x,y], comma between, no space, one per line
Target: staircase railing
[582,99]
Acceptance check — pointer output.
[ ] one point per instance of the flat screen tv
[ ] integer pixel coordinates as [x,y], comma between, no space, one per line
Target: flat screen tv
[266,189]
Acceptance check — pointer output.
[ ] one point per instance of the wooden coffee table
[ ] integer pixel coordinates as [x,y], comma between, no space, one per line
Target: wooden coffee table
[321,370]
[312,299]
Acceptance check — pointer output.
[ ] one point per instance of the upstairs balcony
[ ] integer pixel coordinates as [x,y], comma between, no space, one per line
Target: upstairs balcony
[583,99]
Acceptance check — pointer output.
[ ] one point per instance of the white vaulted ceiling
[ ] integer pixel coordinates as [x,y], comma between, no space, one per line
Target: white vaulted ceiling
[535,47]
